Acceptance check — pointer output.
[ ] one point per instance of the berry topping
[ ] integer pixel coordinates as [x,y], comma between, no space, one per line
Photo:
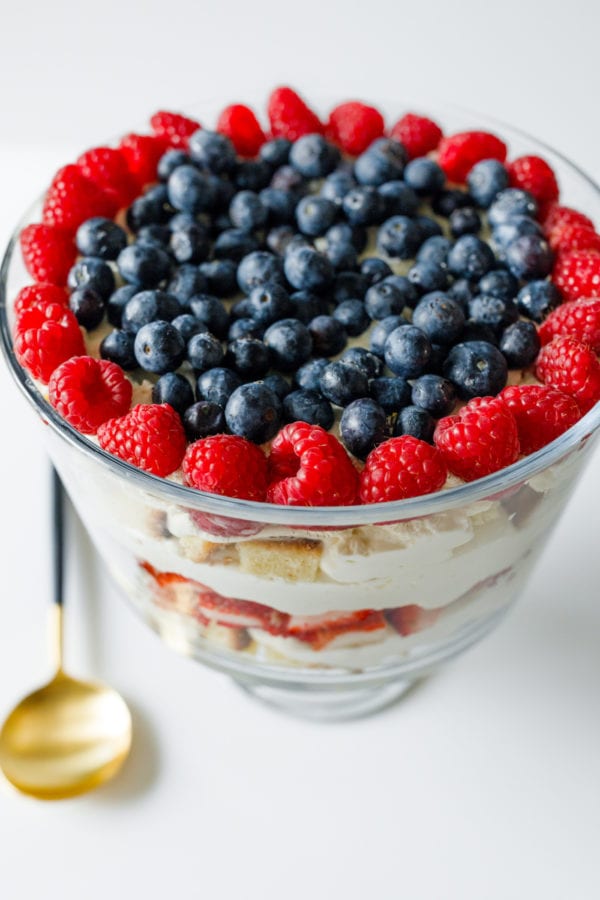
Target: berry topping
[458,153]
[243,129]
[481,439]
[399,468]
[533,174]
[142,153]
[354,126]
[172,128]
[541,413]
[579,319]
[309,467]
[418,134]
[46,337]
[574,237]
[289,115]
[226,464]
[577,274]
[108,168]
[39,295]
[48,253]
[572,367]
[559,217]
[88,392]
[72,198]
[150,437]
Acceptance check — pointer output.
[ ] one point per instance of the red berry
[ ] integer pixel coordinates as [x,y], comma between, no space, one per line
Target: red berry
[557,217]
[173,128]
[87,392]
[142,153]
[318,631]
[45,337]
[419,134]
[354,126]
[234,613]
[574,237]
[48,253]
[577,274]
[411,618]
[72,198]
[150,437]
[458,153]
[579,319]
[572,367]
[541,413]
[243,129]
[226,464]
[40,295]
[309,467]
[481,439]
[401,467]
[108,168]
[533,174]
[289,115]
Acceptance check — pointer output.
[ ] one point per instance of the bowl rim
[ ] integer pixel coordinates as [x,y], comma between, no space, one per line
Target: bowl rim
[344,516]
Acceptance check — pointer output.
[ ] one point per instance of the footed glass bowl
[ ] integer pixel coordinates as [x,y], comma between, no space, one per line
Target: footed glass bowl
[328,612]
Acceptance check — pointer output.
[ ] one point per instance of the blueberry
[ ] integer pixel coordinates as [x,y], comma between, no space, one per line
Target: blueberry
[363,426]
[499,283]
[314,215]
[509,203]
[477,369]
[154,234]
[191,191]
[428,277]
[144,264]
[245,327]
[429,227]
[183,219]
[363,206]
[344,232]
[189,244]
[101,238]
[424,176]
[211,311]
[364,360]
[149,306]
[152,208]
[188,325]
[470,257]
[290,344]
[254,412]
[170,161]
[529,257]
[348,286]
[159,347]
[342,256]
[446,202]
[462,290]
[390,393]
[247,211]
[275,152]
[434,251]
[278,384]
[234,244]
[249,357]
[252,175]
[407,351]
[117,301]
[286,178]
[398,199]
[203,419]
[217,385]
[313,156]
[434,394]
[507,232]
[88,307]
[341,383]
[353,316]
[409,292]
[257,269]
[117,346]
[93,273]
[306,305]
[537,299]
[187,280]
[465,220]
[374,269]
[485,181]
[278,238]
[308,376]
[336,186]
[520,344]
[220,276]
[328,335]
[279,205]
[204,351]
[175,390]
[383,161]
[493,311]
[439,317]
[308,406]
[383,299]
[399,237]
[269,302]
[478,331]
[212,151]
[415,421]
[307,269]
[380,333]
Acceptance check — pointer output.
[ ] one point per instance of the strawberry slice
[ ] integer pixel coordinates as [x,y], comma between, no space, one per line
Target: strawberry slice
[318,631]
[411,618]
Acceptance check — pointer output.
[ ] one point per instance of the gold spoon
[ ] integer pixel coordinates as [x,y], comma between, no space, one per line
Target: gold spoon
[69,736]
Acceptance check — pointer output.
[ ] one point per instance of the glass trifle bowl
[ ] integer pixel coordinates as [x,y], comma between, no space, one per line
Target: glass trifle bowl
[325,612]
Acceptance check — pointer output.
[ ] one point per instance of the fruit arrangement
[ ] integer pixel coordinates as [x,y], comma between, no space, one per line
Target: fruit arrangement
[328,312]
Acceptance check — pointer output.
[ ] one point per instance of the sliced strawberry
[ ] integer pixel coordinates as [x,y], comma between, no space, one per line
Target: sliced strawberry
[411,618]
[318,631]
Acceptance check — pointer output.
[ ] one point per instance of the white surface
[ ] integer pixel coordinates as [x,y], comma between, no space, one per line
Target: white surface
[485,782]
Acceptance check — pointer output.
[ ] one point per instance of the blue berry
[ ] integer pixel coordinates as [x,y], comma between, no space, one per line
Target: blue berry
[342,256]
[398,199]
[390,393]
[118,347]
[383,161]
[470,257]
[383,299]
[275,152]
[520,344]
[217,385]
[507,232]
[188,325]
[313,156]
[307,269]
[212,151]
[258,268]
[341,383]
[117,301]
[485,181]
[203,419]
[220,276]
[509,203]
[211,311]
[529,257]
[154,234]
[424,176]
[364,360]
[353,316]
[306,305]
[101,238]
[169,161]
[380,333]
[444,203]
[245,327]
[159,347]
[88,307]
[462,290]
[348,286]
[278,238]
[314,215]
[249,357]
[499,283]
[415,421]
[363,426]
[278,384]
[149,306]
[175,390]
[286,178]
[247,211]
[308,406]
[254,412]
[434,250]
[429,227]
[280,205]
[145,265]
[191,191]
[269,302]
[336,186]
[363,206]
[189,244]
[374,269]
[234,244]
[439,317]
[493,311]
[477,369]
[478,331]
[92,273]
[290,344]
[465,220]
[308,376]
[407,351]
[409,292]
[187,280]
[537,299]
[151,208]
[434,394]
[399,237]
[328,336]
[345,233]
[252,175]
[428,277]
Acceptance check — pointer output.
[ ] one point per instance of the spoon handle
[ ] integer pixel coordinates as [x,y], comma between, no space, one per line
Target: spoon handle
[58,530]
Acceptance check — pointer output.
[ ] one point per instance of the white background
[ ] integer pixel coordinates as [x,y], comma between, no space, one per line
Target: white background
[483,783]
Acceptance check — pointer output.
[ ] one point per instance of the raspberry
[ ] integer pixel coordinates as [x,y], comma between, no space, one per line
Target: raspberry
[419,134]
[172,128]
[309,467]
[150,437]
[87,392]
[45,337]
[577,274]
[226,464]
[107,167]
[142,153]
[72,198]
[242,128]
[481,439]
[354,126]
[574,237]
[572,367]
[39,295]
[558,217]
[289,115]
[411,618]
[401,467]
[458,153]
[579,319]
[48,253]
[541,413]
[533,174]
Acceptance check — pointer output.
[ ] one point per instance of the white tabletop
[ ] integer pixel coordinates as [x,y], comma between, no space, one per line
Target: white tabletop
[482,783]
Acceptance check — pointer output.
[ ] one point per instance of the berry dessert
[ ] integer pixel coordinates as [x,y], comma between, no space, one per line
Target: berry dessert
[300,312]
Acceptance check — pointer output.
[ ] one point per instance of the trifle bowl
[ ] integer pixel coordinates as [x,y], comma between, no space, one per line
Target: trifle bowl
[333,602]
